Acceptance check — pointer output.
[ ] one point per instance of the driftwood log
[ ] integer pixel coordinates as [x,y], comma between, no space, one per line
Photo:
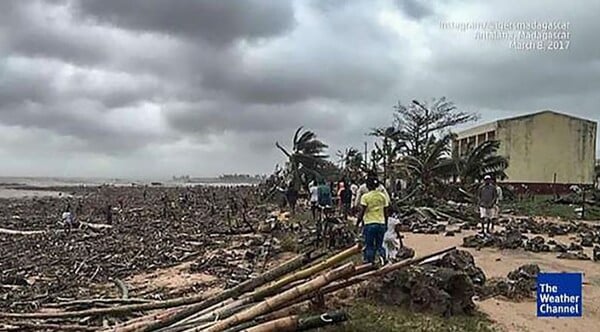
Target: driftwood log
[277,301]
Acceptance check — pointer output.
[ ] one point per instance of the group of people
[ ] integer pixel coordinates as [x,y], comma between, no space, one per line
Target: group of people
[370,203]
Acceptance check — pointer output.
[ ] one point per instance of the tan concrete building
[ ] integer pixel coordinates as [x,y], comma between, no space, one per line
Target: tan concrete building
[542,148]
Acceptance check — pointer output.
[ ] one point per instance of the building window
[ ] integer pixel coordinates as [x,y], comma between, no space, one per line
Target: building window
[491,135]
[481,138]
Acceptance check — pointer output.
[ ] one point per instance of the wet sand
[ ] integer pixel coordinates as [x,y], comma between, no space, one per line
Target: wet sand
[521,316]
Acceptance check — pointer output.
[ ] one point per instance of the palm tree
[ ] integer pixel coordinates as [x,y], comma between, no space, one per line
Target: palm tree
[391,148]
[480,161]
[433,166]
[351,162]
[306,154]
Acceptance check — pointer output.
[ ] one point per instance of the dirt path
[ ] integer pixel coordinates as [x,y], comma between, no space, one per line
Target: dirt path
[512,316]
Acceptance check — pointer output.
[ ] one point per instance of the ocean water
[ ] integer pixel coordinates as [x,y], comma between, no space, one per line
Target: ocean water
[68,182]
[59,181]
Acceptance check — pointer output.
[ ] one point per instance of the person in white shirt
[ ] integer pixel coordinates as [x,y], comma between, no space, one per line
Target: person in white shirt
[314,199]
[68,219]
[354,189]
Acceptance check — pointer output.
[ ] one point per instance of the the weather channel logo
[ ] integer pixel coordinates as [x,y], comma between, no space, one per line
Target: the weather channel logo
[559,295]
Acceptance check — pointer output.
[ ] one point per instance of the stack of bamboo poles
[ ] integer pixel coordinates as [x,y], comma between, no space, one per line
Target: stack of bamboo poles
[267,302]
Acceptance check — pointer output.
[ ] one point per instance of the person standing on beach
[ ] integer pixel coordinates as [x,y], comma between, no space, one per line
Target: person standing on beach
[488,197]
[345,195]
[354,190]
[291,195]
[108,214]
[68,219]
[363,190]
[314,199]
[373,216]
[498,200]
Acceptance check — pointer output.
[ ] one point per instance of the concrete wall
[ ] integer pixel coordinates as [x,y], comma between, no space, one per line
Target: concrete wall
[548,143]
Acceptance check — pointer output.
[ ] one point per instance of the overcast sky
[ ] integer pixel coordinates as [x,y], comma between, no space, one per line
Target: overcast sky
[153,88]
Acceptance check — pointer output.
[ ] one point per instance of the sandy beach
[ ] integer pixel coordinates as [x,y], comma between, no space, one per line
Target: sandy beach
[521,316]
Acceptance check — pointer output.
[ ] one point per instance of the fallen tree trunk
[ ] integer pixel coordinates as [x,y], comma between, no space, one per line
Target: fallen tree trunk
[277,301]
[17,232]
[234,292]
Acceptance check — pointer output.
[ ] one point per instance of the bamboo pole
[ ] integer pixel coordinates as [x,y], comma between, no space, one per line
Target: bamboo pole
[277,301]
[382,271]
[208,311]
[136,323]
[362,273]
[287,311]
[288,282]
[303,274]
[295,323]
[99,301]
[201,300]
[234,292]
[285,324]
[139,322]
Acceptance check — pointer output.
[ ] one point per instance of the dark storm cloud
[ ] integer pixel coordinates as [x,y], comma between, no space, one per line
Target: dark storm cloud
[222,116]
[220,22]
[416,9]
[42,30]
[164,87]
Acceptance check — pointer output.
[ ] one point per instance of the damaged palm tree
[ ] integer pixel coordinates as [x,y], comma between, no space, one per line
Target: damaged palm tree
[306,155]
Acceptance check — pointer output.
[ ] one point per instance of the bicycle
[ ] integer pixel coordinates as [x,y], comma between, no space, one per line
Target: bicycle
[331,231]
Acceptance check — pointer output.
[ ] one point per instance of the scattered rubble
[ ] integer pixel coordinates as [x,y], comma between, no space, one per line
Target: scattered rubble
[578,255]
[519,284]
[444,287]
[152,228]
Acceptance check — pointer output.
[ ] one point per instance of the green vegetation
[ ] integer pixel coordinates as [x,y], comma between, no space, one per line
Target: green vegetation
[381,318]
[543,207]
[414,147]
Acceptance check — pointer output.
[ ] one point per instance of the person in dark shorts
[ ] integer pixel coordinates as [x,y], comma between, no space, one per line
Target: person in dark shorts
[345,199]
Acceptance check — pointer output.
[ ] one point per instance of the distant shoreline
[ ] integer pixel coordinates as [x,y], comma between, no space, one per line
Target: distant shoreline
[32,183]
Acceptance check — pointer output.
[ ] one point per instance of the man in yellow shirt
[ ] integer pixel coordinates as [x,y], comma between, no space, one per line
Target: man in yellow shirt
[373,214]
